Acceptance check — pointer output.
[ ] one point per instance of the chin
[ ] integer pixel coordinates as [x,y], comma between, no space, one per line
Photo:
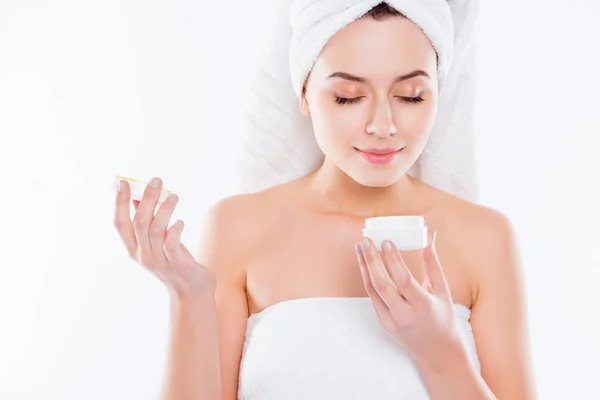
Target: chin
[376,180]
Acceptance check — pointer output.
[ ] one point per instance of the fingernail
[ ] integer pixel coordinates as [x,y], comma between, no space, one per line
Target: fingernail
[386,245]
[364,243]
[358,249]
[172,197]
[121,186]
[155,182]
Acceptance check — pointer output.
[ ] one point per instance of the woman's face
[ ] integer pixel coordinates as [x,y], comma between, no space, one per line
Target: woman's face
[374,89]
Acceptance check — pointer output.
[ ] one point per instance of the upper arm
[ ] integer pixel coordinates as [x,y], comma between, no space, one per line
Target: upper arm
[222,245]
[499,316]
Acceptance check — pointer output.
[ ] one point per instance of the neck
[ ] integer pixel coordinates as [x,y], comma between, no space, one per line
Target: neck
[337,193]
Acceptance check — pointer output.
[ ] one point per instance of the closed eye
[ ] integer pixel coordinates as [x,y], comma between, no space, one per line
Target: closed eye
[417,99]
[346,100]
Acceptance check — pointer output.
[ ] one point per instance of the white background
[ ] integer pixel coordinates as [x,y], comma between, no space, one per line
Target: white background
[142,88]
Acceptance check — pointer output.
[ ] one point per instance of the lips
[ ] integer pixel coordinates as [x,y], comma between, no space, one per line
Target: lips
[379,156]
[379,151]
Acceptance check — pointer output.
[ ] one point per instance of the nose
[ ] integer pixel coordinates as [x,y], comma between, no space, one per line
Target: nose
[382,124]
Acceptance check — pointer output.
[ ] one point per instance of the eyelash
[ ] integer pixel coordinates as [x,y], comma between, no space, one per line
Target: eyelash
[345,101]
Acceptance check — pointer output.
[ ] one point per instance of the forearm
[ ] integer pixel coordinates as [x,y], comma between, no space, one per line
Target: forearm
[454,378]
[192,370]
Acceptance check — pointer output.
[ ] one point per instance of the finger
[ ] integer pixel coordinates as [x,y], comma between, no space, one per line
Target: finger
[433,268]
[122,218]
[158,227]
[145,214]
[175,251]
[172,246]
[383,312]
[380,279]
[426,284]
[364,272]
[405,282]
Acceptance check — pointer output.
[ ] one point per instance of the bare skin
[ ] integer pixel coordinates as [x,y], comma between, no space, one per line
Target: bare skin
[280,242]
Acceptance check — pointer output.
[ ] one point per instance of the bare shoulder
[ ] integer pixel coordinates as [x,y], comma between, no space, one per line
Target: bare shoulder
[485,235]
[481,226]
[226,228]
[234,225]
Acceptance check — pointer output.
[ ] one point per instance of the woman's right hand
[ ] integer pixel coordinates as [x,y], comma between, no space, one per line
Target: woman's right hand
[158,249]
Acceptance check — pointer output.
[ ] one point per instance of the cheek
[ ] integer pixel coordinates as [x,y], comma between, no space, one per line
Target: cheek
[334,126]
[416,121]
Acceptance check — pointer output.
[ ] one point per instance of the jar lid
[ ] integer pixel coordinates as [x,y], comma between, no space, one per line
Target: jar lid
[395,221]
[138,187]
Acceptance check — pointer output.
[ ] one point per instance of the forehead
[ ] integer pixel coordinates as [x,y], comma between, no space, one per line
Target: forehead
[372,47]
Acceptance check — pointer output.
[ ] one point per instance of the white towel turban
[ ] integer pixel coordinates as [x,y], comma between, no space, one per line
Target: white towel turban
[276,142]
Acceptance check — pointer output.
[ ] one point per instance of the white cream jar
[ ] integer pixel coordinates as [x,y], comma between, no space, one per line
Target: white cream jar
[407,232]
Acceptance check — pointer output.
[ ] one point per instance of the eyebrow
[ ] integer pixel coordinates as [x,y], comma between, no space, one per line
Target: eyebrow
[350,77]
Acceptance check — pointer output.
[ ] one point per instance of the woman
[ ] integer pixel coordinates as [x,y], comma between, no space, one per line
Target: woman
[300,299]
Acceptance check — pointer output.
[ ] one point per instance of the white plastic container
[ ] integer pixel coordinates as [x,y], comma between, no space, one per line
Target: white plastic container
[138,187]
[407,232]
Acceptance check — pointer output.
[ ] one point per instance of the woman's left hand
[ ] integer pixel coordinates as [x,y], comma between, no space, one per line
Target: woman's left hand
[420,317]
